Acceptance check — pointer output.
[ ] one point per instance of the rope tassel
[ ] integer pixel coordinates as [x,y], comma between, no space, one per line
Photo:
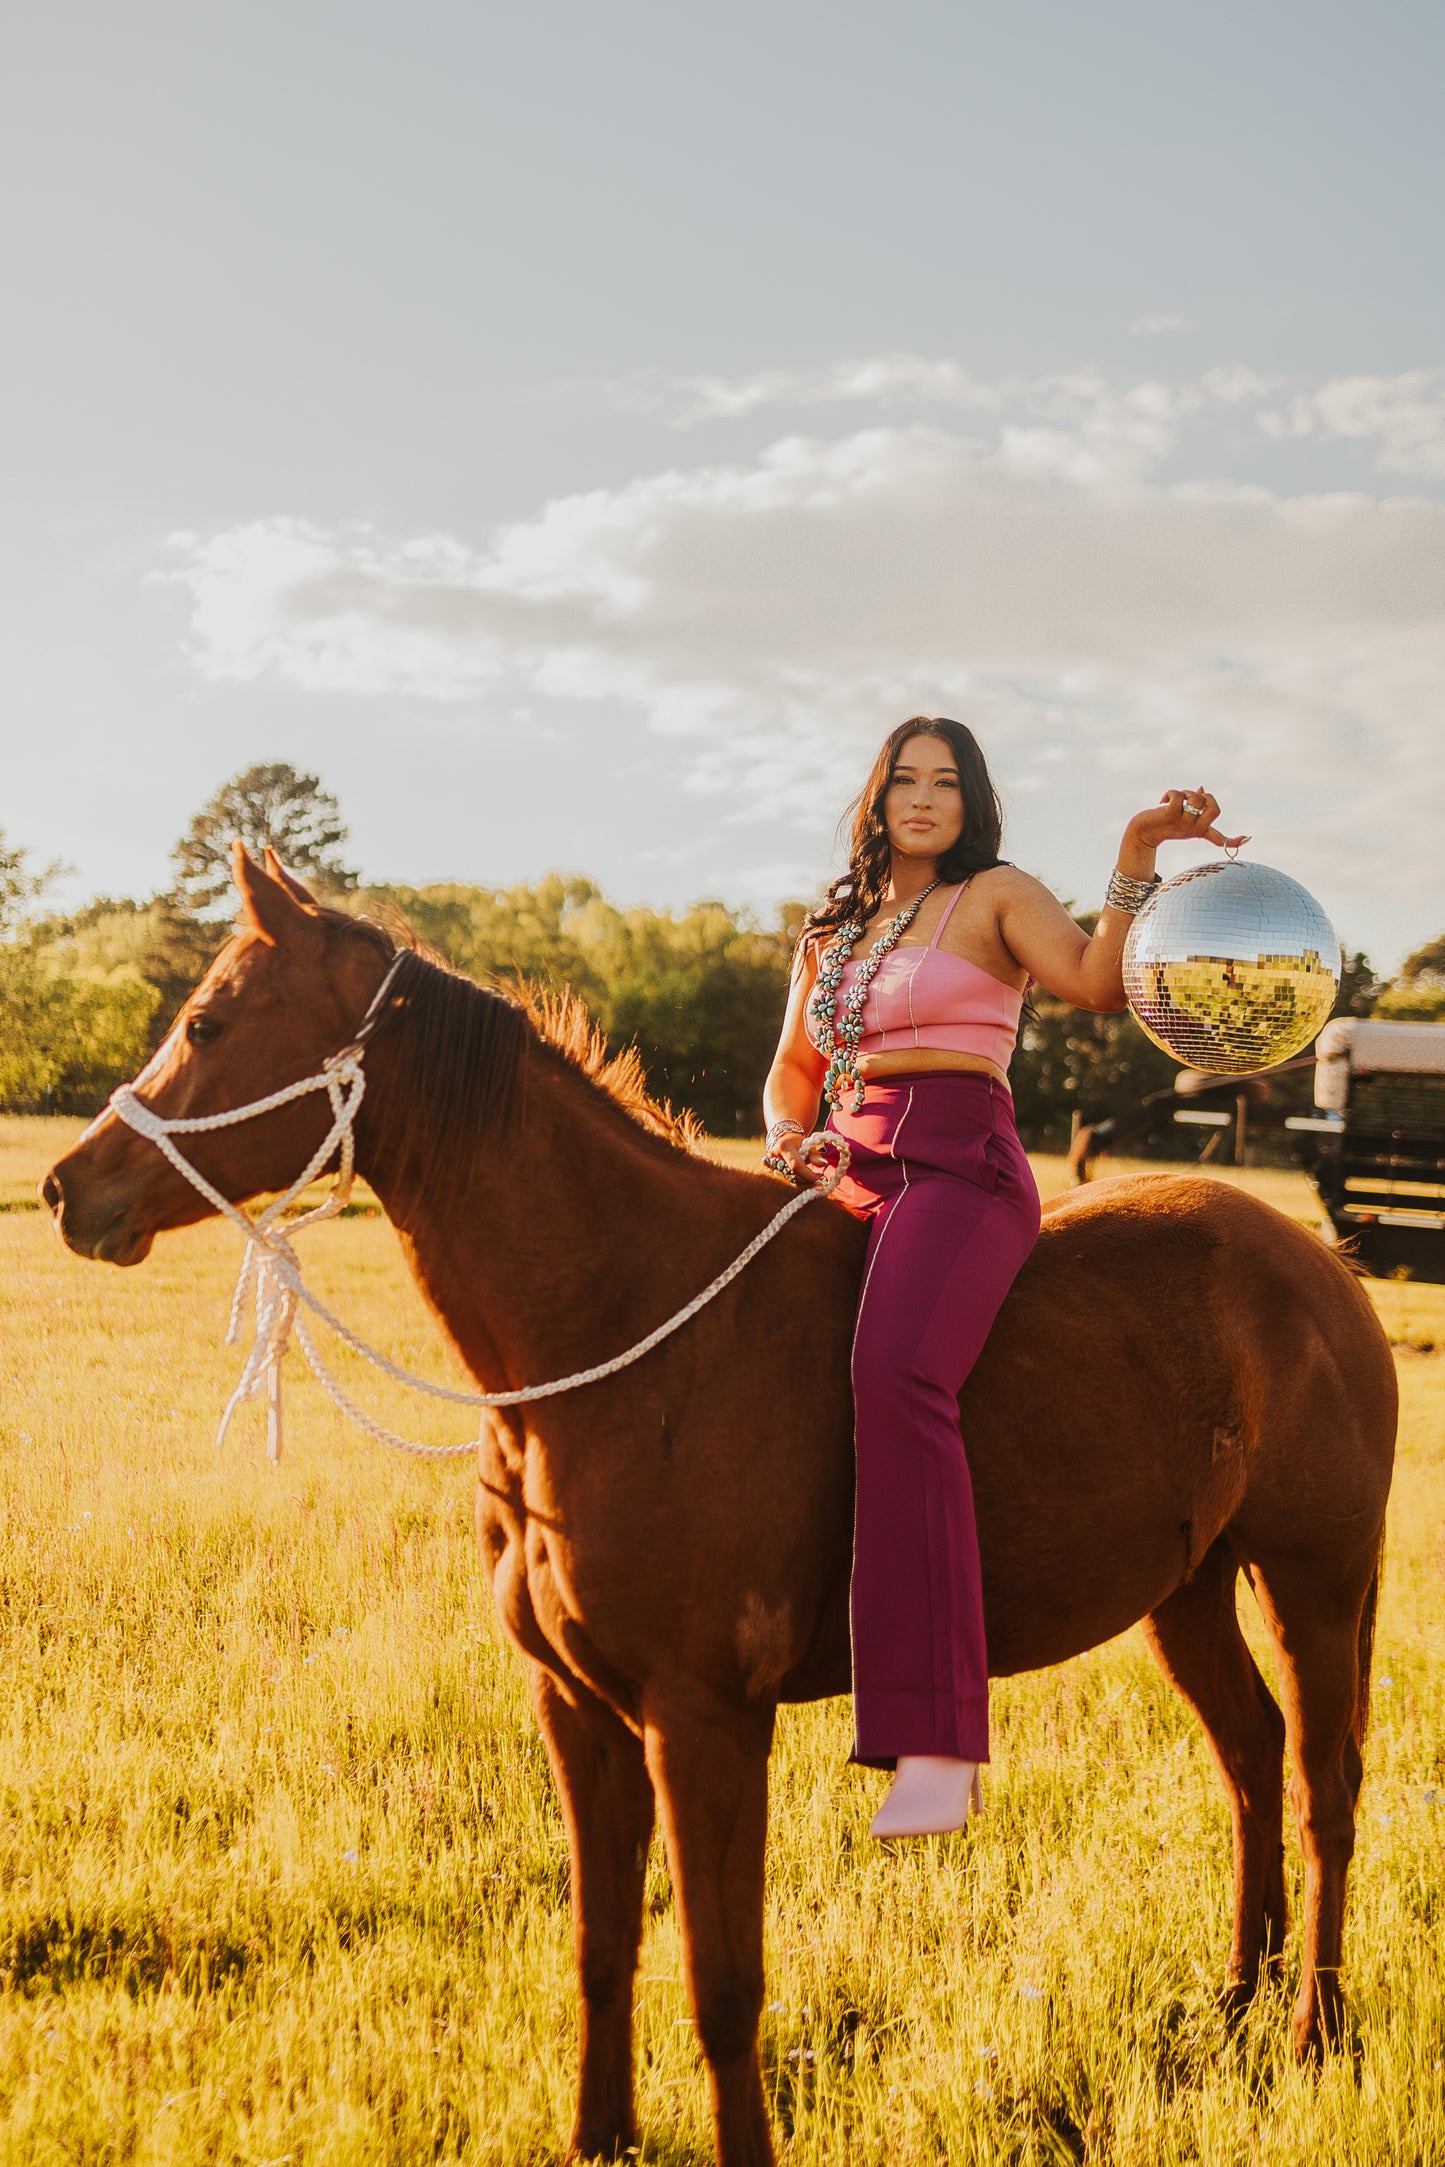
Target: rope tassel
[275,1315]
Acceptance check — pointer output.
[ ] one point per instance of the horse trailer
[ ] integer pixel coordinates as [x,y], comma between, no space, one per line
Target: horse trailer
[1375,1148]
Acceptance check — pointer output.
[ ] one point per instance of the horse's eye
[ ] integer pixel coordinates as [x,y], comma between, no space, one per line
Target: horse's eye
[201,1030]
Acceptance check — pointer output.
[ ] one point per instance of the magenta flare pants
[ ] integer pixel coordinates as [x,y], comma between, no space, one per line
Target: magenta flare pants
[940,1173]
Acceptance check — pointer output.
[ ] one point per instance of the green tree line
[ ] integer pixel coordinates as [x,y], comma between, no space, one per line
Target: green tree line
[85,996]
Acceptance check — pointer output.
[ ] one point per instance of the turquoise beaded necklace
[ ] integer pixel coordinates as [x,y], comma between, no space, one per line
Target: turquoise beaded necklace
[838,1031]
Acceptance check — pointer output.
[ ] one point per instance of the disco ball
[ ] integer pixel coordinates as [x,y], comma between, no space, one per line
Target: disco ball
[1231,967]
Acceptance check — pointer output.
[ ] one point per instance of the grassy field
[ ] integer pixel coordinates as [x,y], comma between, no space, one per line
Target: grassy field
[282,1877]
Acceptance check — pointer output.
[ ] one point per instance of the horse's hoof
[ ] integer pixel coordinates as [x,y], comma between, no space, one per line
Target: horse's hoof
[598,2144]
[1319,2022]
[1308,2039]
[1242,1989]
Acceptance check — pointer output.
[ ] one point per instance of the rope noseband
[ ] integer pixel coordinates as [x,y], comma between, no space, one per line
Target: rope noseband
[272,1270]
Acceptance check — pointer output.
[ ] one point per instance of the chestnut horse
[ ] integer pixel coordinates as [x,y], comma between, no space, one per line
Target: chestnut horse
[1183,1383]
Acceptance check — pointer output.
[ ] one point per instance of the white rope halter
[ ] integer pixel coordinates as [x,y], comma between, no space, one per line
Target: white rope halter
[272,1268]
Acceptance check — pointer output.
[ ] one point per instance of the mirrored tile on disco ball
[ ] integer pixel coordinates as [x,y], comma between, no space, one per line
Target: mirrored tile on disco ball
[1231,967]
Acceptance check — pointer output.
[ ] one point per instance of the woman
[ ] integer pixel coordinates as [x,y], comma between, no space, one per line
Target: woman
[903,1013]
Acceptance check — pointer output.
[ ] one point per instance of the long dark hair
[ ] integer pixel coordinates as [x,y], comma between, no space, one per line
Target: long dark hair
[859,892]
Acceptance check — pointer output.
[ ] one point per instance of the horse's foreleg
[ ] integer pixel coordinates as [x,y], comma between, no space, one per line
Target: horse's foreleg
[1196,1637]
[709,1762]
[1316,1632]
[607,1805]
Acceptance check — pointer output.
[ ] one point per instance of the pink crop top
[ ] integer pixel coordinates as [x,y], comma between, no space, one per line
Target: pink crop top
[928,997]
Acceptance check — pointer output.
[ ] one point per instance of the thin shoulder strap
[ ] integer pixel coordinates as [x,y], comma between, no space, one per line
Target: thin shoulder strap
[948,911]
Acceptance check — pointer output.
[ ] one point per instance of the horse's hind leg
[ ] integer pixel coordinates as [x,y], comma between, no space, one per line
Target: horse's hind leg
[1196,1637]
[1317,1631]
[607,1804]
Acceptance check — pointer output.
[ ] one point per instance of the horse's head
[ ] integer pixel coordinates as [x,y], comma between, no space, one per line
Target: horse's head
[288,989]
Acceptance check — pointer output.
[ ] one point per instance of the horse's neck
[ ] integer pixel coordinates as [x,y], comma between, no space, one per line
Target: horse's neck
[553,1244]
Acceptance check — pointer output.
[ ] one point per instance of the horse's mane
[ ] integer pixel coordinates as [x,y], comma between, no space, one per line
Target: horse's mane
[462,1057]
[562,1020]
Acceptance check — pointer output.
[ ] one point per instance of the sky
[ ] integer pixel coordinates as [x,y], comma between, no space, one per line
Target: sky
[579,433]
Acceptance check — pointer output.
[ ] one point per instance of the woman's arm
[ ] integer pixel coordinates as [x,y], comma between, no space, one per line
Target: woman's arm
[795,1080]
[1086,969]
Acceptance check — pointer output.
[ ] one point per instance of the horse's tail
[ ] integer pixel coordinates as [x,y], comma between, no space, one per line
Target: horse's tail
[1365,1649]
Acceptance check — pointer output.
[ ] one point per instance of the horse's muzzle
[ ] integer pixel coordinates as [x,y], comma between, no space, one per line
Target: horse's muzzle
[95,1223]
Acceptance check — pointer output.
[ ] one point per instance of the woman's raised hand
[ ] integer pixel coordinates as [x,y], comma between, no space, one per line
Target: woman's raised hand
[1181,816]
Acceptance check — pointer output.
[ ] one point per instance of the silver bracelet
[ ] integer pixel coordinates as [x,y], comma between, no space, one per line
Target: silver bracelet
[1127,894]
[785,1127]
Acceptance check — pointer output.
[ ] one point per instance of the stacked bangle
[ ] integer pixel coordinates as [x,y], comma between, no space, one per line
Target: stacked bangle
[1126,894]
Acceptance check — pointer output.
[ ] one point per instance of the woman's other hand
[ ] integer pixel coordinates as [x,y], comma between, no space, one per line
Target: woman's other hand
[816,1162]
[809,1159]
[1181,816]
[808,1167]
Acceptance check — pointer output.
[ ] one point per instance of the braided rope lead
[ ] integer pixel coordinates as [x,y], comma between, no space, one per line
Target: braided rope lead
[271,1269]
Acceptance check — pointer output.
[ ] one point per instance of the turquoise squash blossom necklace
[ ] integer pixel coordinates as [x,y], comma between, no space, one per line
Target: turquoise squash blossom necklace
[837,1031]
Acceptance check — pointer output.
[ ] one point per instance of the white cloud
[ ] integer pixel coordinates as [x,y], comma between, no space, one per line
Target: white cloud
[1404,414]
[1078,424]
[884,379]
[886,547]
[1148,327]
[767,615]
[1081,403]
[1235,385]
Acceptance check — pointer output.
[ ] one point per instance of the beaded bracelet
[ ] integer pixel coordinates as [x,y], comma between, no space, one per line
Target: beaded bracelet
[1127,894]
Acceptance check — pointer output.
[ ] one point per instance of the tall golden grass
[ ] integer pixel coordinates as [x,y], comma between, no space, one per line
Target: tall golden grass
[282,1877]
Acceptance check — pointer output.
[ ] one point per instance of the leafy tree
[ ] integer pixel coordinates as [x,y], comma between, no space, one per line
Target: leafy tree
[547,933]
[1426,966]
[700,993]
[1070,1058]
[1073,1059]
[1417,993]
[155,941]
[66,1042]
[273,804]
[85,997]
[81,996]
[19,886]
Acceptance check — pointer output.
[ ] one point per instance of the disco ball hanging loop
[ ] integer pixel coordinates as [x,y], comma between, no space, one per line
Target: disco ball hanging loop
[1231,967]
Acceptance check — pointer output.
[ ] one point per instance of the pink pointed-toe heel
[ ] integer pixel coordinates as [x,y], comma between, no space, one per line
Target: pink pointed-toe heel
[931,1796]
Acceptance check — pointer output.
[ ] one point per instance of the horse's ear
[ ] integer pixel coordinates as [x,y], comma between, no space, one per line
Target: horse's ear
[297,889]
[266,906]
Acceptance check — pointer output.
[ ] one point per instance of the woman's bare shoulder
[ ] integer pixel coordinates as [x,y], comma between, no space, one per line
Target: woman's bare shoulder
[1004,885]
